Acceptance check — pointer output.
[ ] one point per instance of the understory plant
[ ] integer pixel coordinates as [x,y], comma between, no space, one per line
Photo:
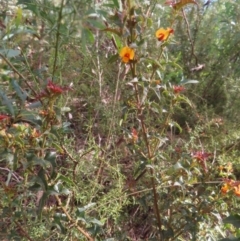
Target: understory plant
[99,138]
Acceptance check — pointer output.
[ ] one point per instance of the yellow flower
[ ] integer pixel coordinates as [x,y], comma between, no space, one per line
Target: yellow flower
[163,34]
[127,54]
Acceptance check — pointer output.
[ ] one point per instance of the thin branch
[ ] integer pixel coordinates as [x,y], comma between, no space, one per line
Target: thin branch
[18,73]
[24,233]
[190,39]
[17,177]
[85,233]
[57,39]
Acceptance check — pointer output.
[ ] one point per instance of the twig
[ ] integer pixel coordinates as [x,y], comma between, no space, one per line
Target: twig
[15,175]
[18,73]
[85,233]
[25,234]
[190,39]
[57,39]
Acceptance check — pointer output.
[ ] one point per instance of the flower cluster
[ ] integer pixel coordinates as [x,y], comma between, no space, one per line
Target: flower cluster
[231,185]
[127,54]
[4,117]
[178,88]
[201,157]
[52,89]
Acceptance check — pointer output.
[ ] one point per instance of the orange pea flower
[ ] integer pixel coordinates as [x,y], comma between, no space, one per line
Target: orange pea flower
[237,190]
[225,188]
[127,54]
[134,135]
[163,34]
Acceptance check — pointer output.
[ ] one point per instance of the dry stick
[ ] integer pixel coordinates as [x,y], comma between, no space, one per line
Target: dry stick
[25,234]
[189,36]
[85,233]
[18,73]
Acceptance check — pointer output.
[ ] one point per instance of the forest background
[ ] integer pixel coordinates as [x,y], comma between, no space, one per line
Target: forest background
[119,120]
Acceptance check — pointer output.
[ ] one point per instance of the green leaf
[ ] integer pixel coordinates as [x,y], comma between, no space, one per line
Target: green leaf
[20,93]
[175,124]
[87,36]
[5,101]
[41,162]
[113,58]
[95,221]
[10,53]
[64,179]
[233,219]
[185,81]
[41,204]
[57,223]
[229,239]
[41,179]
[86,207]
[20,30]
[57,189]
[116,3]
[30,5]
[35,105]
[96,24]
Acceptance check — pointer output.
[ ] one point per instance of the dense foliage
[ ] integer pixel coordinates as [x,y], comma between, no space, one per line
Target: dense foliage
[119,120]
